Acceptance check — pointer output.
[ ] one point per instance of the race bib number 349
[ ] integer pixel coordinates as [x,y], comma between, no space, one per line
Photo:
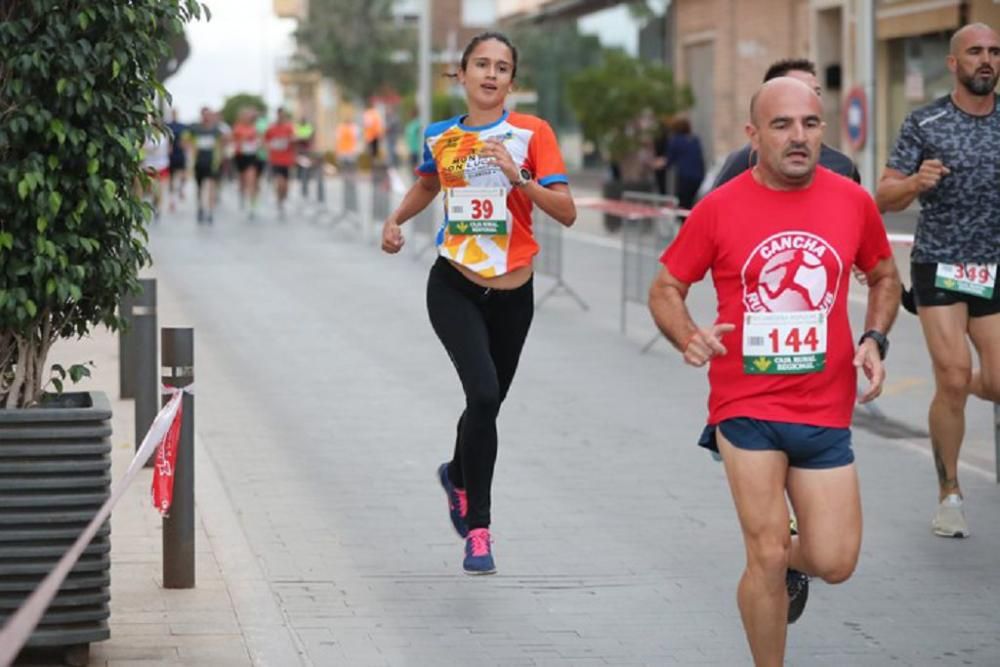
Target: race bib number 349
[477,211]
[975,279]
[784,343]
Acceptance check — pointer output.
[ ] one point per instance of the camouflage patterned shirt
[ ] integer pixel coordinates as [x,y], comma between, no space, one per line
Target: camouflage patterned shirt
[960,217]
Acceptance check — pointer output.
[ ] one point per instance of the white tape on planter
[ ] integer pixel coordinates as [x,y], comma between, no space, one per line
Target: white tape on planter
[20,626]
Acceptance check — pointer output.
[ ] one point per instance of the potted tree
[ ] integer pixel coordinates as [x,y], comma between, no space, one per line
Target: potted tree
[77,94]
[618,104]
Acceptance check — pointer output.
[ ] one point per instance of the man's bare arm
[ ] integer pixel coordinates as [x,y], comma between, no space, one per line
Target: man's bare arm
[666,304]
[896,190]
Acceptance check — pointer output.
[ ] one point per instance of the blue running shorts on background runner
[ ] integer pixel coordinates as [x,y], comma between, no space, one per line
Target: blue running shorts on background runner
[812,447]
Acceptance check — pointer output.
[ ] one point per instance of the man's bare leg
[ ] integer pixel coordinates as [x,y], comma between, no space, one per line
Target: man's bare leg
[985,335]
[827,505]
[945,329]
[757,482]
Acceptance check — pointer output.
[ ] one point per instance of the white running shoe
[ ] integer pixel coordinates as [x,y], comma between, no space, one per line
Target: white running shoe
[949,521]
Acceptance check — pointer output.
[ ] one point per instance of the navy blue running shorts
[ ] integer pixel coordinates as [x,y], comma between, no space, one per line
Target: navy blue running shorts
[812,447]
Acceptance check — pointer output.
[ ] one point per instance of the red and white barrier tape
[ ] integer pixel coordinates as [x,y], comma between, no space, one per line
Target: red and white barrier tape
[20,626]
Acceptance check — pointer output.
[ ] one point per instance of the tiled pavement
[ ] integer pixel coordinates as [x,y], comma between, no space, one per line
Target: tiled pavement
[324,405]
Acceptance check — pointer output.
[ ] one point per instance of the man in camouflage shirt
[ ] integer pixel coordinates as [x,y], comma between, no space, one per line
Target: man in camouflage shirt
[948,156]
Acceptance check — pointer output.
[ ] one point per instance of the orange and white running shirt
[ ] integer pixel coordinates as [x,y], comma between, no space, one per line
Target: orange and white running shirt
[451,150]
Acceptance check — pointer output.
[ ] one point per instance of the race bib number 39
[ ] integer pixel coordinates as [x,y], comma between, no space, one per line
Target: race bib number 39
[784,343]
[477,211]
[975,279]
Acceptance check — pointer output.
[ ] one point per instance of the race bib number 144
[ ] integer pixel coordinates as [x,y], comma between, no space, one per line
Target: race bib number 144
[784,343]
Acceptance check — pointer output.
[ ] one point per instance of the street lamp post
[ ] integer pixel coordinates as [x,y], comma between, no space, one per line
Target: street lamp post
[424,64]
[866,38]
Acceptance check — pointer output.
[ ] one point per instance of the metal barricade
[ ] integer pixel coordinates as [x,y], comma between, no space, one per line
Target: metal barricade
[350,209]
[549,261]
[426,225]
[381,198]
[650,224]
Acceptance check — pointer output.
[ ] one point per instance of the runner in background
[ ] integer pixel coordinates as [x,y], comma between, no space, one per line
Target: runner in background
[948,156]
[264,170]
[247,143]
[347,145]
[495,167]
[304,158]
[280,141]
[413,134]
[178,159]
[227,161]
[206,140]
[156,164]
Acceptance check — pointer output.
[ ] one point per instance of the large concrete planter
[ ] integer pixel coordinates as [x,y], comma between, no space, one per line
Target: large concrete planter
[55,473]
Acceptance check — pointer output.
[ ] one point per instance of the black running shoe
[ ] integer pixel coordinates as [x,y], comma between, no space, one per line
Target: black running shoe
[797,584]
[909,305]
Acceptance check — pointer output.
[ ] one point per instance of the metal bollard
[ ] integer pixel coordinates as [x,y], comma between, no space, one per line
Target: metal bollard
[126,349]
[320,185]
[146,390]
[178,525]
[305,173]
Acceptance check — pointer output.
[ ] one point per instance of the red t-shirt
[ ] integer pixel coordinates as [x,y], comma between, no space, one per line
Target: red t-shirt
[752,238]
[246,139]
[280,141]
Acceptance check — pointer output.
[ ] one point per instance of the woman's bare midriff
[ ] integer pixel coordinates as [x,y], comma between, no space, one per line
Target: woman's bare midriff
[510,280]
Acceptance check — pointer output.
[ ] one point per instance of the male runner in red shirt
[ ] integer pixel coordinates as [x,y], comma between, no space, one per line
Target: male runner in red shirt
[280,141]
[780,240]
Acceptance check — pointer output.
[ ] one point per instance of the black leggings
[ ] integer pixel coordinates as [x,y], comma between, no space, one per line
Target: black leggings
[483,331]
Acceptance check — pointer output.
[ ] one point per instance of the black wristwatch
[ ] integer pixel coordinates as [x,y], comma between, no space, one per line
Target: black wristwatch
[880,340]
[523,177]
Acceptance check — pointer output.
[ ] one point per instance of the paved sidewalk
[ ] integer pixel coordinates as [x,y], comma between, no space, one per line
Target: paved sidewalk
[229,619]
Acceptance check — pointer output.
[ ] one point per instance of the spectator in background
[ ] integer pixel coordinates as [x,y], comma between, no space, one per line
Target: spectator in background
[374,129]
[660,151]
[684,155]
[414,135]
[346,146]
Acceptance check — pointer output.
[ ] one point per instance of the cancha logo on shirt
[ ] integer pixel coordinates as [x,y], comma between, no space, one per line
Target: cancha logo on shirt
[791,271]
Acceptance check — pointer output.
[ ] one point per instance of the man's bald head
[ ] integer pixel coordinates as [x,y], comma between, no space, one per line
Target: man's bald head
[786,131]
[777,91]
[970,33]
[974,59]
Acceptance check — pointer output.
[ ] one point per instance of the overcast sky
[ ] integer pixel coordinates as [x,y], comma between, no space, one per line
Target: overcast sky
[242,47]
[239,50]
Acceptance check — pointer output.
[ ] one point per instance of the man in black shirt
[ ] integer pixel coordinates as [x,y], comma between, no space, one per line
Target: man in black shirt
[744,158]
[948,156]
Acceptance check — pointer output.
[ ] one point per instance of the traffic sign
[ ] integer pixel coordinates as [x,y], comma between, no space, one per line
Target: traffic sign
[856,118]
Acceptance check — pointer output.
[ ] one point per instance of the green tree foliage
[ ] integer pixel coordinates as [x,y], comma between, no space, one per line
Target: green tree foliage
[446,105]
[77,89]
[609,100]
[360,45]
[549,55]
[232,106]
